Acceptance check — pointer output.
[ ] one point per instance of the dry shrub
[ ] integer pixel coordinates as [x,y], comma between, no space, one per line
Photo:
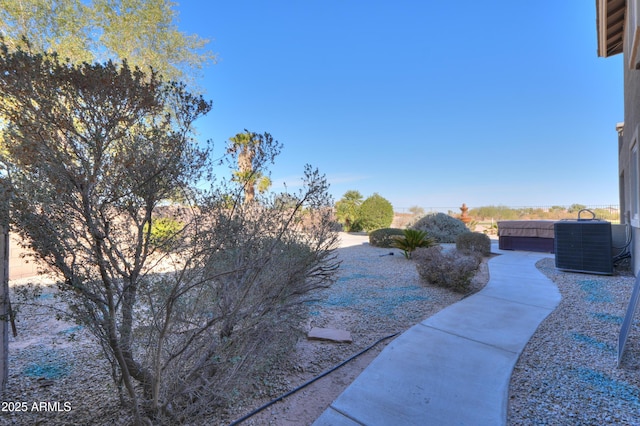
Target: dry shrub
[449,269]
[443,228]
[188,312]
[384,237]
[474,242]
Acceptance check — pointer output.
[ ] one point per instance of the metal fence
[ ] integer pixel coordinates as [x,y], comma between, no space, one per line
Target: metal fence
[604,211]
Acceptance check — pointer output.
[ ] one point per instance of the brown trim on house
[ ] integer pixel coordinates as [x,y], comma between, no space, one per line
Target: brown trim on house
[610,16]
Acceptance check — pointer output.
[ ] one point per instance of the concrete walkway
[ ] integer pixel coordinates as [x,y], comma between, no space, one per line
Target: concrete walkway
[454,368]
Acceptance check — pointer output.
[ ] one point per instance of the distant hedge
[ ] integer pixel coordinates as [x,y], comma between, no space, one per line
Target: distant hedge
[384,237]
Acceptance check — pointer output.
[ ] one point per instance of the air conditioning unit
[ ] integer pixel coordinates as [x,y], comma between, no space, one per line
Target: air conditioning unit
[583,246]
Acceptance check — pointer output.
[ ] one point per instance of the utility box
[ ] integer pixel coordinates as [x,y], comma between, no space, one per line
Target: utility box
[584,246]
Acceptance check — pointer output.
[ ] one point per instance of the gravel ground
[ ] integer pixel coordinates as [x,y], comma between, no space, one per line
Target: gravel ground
[376,295]
[567,374]
[57,374]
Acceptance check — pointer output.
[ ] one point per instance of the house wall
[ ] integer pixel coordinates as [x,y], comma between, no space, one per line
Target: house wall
[19,266]
[630,178]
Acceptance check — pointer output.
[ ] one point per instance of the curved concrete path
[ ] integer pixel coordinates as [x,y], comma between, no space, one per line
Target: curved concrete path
[454,368]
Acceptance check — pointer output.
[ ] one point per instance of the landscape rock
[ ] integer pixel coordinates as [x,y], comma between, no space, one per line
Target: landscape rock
[331,334]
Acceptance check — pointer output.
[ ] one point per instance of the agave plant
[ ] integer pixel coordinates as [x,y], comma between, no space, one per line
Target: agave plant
[411,240]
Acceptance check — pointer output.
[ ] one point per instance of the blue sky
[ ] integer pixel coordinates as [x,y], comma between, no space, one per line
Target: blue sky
[427,103]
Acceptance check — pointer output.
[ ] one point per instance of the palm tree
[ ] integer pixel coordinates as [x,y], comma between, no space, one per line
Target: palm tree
[245,145]
[348,210]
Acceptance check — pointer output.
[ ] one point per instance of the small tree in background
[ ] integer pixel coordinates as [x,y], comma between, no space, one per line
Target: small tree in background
[348,211]
[249,148]
[575,208]
[376,212]
[416,211]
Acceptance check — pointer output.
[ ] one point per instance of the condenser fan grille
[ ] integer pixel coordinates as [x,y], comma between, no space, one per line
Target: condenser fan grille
[583,246]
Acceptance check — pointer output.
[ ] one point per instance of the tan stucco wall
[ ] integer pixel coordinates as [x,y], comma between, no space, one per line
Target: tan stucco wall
[631,131]
[19,267]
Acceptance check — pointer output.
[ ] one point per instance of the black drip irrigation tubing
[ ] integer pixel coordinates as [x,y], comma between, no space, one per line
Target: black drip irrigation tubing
[302,386]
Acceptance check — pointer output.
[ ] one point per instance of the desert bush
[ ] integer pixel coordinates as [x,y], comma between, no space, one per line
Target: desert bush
[606,214]
[494,212]
[258,302]
[93,151]
[441,227]
[471,225]
[164,232]
[376,212]
[411,240]
[471,242]
[384,237]
[449,269]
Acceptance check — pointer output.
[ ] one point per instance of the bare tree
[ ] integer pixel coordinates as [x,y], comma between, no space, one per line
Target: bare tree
[92,153]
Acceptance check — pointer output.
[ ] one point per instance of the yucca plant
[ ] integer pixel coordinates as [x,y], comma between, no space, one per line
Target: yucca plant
[411,240]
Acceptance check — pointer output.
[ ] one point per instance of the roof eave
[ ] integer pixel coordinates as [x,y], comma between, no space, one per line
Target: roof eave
[610,26]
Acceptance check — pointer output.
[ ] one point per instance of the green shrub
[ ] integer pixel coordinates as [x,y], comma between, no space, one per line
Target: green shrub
[411,240]
[375,212]
[384,237]
[471,242]
[164,231]
[494,212]
[443,228]
[449,269]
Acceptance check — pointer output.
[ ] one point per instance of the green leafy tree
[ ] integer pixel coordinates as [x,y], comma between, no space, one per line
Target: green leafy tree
[46,26]
[376,212]
[575,208]
[348,211]
[92,156]
[143,32]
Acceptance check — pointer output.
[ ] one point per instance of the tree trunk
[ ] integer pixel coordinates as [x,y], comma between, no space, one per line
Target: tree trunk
[5,308]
